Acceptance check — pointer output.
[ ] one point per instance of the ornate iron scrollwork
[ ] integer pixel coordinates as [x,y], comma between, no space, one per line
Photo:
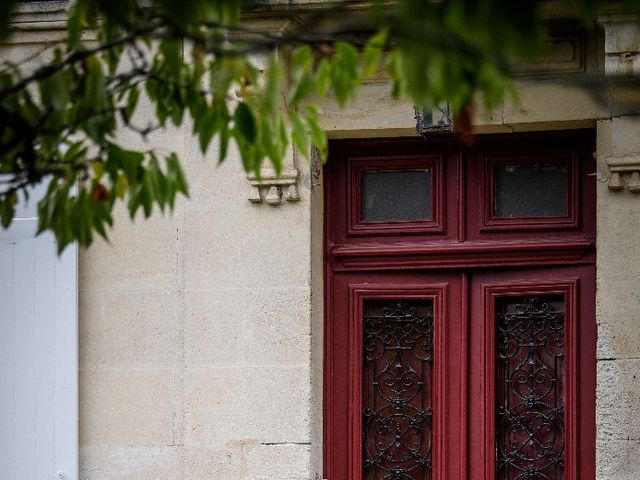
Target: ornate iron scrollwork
[397,415]
[530,389]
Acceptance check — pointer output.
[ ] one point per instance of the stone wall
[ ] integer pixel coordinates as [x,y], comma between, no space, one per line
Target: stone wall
[618,306]
[195,337]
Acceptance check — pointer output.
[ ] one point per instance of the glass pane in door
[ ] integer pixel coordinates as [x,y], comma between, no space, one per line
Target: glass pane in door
[397,390]
[530,191]
[391,196]
[530,361]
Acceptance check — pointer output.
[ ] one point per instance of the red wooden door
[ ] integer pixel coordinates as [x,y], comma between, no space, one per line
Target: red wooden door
[396,342]
[532,374]
[460,330]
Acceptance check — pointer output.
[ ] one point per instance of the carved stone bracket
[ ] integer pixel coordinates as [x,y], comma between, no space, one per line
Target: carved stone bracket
[621,46]
[622,62]
[624,166]
[272,189]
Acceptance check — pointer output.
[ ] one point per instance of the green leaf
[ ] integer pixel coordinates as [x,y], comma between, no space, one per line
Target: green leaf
[300,134]
[301,89]
[128,161]
[171,51]
[344,75]
[54,90]
[302,59]
[95,89]
[76,21]
[7,210]
[318,136]
[6,8]
[173,166]
[373,53]
[98,170]
[244,122]
[121,186]
[323,78]
[224,143]
[132,101]
[206,126]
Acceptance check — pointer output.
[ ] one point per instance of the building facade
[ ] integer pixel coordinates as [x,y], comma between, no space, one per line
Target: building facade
[228,340]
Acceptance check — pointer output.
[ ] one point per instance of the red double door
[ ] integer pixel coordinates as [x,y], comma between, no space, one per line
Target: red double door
[460,339]
[463,375]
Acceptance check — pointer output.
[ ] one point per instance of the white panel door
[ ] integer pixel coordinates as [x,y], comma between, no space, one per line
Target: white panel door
[38,354]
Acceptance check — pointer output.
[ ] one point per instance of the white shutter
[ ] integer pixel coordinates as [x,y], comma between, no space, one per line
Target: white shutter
[38,354]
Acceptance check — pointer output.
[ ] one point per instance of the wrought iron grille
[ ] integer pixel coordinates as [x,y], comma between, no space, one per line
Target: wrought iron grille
[397,415]
[530,389]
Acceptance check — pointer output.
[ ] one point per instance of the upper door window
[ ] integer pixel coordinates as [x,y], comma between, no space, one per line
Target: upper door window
[530,191]
[390,197]
[533,192]
[418,194]
[396,195]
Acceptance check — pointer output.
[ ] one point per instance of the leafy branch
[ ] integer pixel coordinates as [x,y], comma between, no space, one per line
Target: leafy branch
[205,60]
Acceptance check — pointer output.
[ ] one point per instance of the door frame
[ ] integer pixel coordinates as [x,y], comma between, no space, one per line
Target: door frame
[461,248]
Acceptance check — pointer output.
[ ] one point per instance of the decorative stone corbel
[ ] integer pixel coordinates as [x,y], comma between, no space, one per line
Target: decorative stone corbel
[620,167]
[272,189]
[622,62]
[621,45]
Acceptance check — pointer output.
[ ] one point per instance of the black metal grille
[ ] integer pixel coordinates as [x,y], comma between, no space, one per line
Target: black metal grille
[530,389]
[397,415]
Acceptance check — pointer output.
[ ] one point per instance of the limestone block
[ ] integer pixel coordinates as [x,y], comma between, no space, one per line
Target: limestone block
[128,407]
[259,247]
[604,145]
[227,241]
[265,404]
[134,329]
[282,462]
[617,459]
[625,136]
[220,462]
[622,36]
[617,304]
[618,236]
[618,401]
[372,109]
[248,460]
[131,463]
[140,255]
[552,101]
[247,327]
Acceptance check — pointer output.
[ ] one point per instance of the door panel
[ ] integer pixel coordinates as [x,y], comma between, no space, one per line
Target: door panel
[394,362]
[397,388]
[533,337]
[442,375]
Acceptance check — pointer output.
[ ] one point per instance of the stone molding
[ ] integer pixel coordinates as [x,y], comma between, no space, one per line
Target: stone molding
[51,15]
[272,189]
[620,166]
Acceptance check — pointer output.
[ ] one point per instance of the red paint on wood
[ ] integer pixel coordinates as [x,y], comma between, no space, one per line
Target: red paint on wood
[468,262]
